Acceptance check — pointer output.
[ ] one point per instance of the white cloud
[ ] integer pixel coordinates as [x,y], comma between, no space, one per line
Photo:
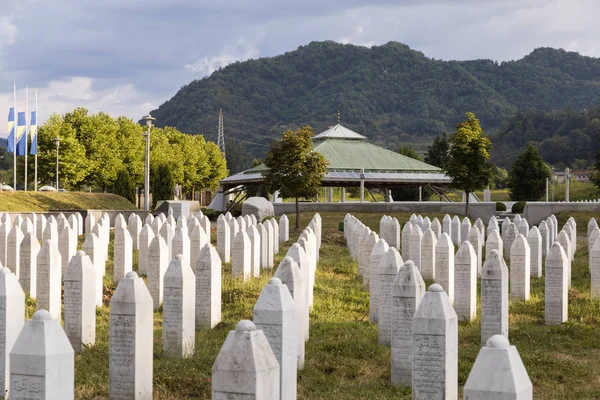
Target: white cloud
[241,51]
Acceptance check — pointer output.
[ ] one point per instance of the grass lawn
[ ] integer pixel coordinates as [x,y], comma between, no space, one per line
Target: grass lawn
[46,201]
[343,359]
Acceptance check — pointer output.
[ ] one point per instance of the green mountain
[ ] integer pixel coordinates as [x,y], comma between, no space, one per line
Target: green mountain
[389,93]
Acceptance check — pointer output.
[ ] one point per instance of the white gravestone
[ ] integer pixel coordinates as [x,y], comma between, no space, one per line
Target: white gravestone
[435,347]
[494,242]
[426,224]
[407,292]
[505,223]
[523,227]
[594,261]
[27,226]
[48,276]
[360,251]
[208,288]
[428,244]
[479,224]
[167,232]
[254,237]
[246,367]
[130,340]
[80,302]
[492,224]
[92,247]
[4,231]
[511,234]
[594,234]
[520,269]
[291,276]
[444,264]
[367,248]
[563,239]
[120,221]
[416,238]
[241,223]
[551,232]
[13,250]
[179,325]
[534,239]
[447,225]
[276,236]
[591,225]
[406,234]
[545,235]
[156,224]
[517,219]
[275,314]
[12,318]
[384,224]
[181,244]
[494,297]
[436,227]
[557,289]
[234,228]
[298,254]
[379,250]
[456,231]
[144,239]
[465,282]
[241,263]
[51,230]
[40,225]
[498,373]
[568,229]
[135,227]
[45,371]
[476,239]
[395,234]
[67,246]
[465,227]
[270,243]
[30,247]
[388,269]
[158,262]
[123,254]
[284,228]
[264,248]
[198,240]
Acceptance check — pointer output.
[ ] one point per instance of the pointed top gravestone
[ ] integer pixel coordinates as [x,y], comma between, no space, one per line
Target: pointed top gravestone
[444,264]
[556,291]
[12,319]
[48,276]
[455,231]
[406,234]
[523,227]
[388,269]
[591,225]
[436,227]
[534,239]
[465,227]
[428,244]
[207,268]
[379,250]
[465,282]
[494,297]
[520,268]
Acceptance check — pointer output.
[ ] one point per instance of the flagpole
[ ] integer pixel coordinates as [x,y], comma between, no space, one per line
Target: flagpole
[26,132]
[15,138]
[36,124]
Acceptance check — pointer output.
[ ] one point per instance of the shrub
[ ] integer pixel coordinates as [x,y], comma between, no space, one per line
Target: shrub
[518,207]
[161,182]
[124,186]
[500,206]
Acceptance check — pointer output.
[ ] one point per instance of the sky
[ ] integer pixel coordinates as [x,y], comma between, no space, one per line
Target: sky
[126,57]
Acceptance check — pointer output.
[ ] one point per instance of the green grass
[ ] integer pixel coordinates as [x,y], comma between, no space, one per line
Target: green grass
[343,359]
[46,201]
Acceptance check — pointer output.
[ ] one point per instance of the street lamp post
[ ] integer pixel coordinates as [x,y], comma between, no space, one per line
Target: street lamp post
[148,118]
[57,141]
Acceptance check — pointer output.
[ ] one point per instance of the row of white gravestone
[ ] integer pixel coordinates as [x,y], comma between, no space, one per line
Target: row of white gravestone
[260,359]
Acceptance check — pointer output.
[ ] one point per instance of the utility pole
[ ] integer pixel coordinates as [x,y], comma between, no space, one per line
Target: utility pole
[221,134]
[148,118]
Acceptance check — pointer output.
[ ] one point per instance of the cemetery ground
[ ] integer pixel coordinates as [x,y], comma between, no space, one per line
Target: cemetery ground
[46,201]
[343,359]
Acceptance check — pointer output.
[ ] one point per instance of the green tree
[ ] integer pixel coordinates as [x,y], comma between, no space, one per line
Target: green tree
[238,158]
[161,182]
[408,151]
[528,176]
[293,167]
[124,186]
[469,164]
[438,152]
[409,193]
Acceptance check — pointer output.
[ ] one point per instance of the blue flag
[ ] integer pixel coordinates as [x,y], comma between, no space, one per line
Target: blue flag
[21,134]
[33,133]
[11,130]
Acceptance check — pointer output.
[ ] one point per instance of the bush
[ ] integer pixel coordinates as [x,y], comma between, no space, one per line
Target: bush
[500,206]
[161,182]
[518,207]
[124,186]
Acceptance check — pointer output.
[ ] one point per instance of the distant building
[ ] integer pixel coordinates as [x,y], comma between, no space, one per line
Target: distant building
[578,176]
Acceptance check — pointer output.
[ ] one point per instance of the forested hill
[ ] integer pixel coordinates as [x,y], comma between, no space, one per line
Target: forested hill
[389,93]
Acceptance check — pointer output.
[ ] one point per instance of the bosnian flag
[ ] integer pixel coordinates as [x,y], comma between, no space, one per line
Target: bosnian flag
[11,130]
[33,133]
[21,134]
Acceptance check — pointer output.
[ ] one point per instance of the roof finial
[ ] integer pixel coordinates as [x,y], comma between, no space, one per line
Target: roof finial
[338,117]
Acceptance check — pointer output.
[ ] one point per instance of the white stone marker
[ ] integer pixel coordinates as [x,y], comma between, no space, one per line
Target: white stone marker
[465,227]
[379,250]
[591,225]
[284,228]
[568,229]
[545,235]
[167,232]
[156,224]
[494,297]
[465,282]
[447,225]
[426,224]
[416,238]
[455,232]
[520,268]
[13,250]
[48,275]
[509,237]
[30,248]
[594,268]
[208,288]
[27,226]
[135,227]
[557,289]
[475,237]
[80,301]
[51,230]
[179,325]
[241,263]
[551,231]
[254,237]
[494,242]
[406,234]
[67,246]
[435,351]
[565,242]
[436,227]
[120,221]
[388,269]
[181,244]
[45,371]
[407,291]
[534,239]
[130,340]
[276,236]
[144,239]
[479,224]
[444,264]
[223,239]
[498,373]
[93,248]
[158,262]
[492,224]
[275,314]
[395,233]
[198,240]
[234,228]
[523,227]
[594,235]
[246,367]
[428,244]
[4,231]
[367,248]
[40,225]
[12,318]
[298,254]
[123,254]
[270,243]
[291,276]
[517,219]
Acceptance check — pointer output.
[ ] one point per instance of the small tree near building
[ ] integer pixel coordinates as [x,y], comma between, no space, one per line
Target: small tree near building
[124,185]
[468,163]
[528,176]
[293,167]
[438,152]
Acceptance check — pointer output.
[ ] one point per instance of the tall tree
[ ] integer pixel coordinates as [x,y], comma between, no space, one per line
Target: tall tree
[469,155]
[528,175]
[293,167]
[124,186]
[161,180]
[408,151]
[437,153]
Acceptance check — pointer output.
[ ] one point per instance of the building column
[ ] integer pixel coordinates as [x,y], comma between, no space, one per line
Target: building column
[567,185]
[330,192]
[343,195]
[420,193]
[362,185]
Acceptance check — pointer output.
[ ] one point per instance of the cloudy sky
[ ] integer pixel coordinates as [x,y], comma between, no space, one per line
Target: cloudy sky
[126,57]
